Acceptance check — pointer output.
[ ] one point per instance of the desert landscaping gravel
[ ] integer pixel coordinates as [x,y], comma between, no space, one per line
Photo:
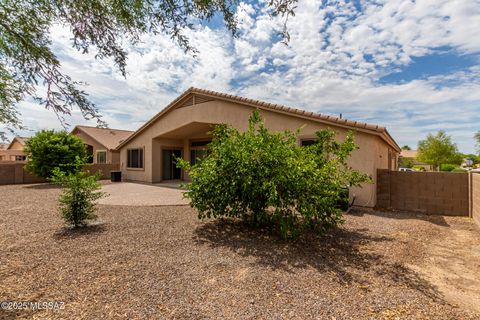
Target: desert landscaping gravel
[163,263]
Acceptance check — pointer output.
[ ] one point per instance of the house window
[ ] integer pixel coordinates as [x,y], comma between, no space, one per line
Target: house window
[307,142]
[198,154]
[200,143]
[198,151]
[101,156]
[20,158]
[135,158]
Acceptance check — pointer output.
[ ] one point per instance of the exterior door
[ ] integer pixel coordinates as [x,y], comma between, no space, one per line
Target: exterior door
[169,167]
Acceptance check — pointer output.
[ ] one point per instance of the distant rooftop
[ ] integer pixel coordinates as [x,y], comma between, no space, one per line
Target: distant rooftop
[110,138]
[408,153]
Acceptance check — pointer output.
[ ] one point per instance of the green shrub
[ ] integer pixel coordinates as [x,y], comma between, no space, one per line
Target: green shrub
[49,149]
[269,181]
[77,200]
[418,168]
[406,162]
[448,167]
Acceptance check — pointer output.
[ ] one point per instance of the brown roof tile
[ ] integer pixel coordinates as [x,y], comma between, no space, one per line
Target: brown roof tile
[110,138]
[381,131]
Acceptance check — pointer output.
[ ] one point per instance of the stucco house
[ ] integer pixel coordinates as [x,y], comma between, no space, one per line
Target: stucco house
[409,158]
[181,129]
[101,142]
[3,147]
[14,150]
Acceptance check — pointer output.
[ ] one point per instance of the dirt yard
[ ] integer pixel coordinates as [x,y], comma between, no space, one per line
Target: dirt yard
[161,262]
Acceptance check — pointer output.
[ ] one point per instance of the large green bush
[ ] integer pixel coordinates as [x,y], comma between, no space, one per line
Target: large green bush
[79,193]
[438,149]
[268,180]
[49,149]
[448,167]
[404,162]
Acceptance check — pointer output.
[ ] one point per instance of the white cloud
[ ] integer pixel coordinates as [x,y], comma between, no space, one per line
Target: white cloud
[332,64]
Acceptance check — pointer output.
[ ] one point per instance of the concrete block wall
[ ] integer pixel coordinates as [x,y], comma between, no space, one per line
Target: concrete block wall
[475,197]
[442,193]
[12,172]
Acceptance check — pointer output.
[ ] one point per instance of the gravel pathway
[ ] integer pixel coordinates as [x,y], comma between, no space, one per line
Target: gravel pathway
[161,262]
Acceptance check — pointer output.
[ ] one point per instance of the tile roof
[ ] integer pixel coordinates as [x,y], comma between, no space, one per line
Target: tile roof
[110,138]
[408,153]
[363,126]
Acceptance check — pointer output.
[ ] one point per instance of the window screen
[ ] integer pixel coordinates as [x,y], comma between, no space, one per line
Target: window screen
[135,158]
[101,156]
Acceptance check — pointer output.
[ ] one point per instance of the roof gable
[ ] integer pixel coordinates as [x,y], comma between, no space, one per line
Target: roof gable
[196,96]
[109,138]
[20,140]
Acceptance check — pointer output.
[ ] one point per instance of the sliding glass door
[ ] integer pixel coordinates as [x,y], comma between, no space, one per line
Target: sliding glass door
[169,168]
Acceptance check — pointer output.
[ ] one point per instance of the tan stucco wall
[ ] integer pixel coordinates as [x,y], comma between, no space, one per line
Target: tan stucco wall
[10,154]
[112,157]
[372,153]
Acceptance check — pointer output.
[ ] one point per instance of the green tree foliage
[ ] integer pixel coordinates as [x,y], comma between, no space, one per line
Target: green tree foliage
[48,150]
[406,147]
[107,27]
[438,149]
[448,167]
[267,180]
[405,162]
[79,193]
[477,141]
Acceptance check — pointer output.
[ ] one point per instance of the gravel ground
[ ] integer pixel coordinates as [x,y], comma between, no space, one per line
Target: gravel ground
[161,262]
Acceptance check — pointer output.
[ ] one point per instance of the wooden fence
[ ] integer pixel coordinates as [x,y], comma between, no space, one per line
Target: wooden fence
[14,173]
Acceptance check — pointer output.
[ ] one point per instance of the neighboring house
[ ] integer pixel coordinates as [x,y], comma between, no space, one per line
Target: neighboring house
[3,147]
[101,142]
[410,157]
[467,163]
[14,150]
[182,129]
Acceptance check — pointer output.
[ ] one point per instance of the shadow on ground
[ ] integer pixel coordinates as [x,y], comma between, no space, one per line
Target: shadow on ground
[342,252]
[72,233]
[402,215]
[42,186]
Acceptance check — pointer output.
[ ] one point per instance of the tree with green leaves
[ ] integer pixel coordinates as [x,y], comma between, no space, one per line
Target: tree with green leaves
[77,202]
[268,180]
[48,150]
[406,147]
[476,136]
[437,150]
[106,27]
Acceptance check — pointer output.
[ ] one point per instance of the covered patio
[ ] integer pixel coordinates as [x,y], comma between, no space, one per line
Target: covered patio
[188,142]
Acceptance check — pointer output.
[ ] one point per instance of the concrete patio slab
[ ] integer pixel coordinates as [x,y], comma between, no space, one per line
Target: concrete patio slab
[136,194]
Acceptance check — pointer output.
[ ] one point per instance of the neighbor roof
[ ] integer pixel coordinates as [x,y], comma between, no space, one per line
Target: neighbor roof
[22,141]
[408,153]
[3,146]
[109,138]
[339,122]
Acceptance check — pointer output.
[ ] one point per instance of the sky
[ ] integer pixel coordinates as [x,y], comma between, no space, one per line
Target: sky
[411,66]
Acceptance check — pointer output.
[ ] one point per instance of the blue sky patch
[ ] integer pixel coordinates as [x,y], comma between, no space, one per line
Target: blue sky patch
[440,62]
